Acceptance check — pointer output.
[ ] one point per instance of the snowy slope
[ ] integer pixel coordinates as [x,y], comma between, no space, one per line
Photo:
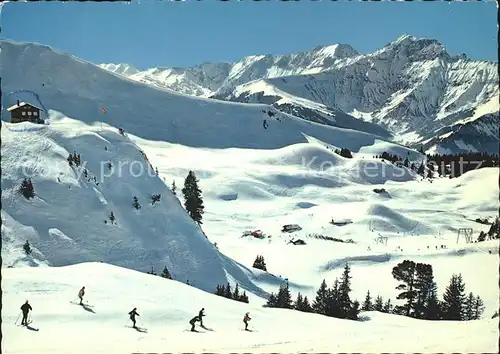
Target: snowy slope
[74,93]
[64,223]
[165,312]
[412,86]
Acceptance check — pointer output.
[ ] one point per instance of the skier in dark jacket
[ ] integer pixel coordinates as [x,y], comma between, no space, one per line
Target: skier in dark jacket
[25,309]
[132,314]
[200,316]
[81,293]
[192,322]
[246,319]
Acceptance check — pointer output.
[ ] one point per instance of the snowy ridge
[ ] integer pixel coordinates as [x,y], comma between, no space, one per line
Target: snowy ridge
[411,86]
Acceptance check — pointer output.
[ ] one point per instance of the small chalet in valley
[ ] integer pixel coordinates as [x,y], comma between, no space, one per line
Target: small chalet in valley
[24,112]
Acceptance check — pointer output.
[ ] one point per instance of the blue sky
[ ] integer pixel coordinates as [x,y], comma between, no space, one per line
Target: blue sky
[154,33]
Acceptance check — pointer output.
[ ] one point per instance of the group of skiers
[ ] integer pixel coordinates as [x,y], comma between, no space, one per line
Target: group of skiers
[26,307]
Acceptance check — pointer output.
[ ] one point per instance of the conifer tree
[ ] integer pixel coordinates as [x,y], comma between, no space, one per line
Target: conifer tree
[227,291]
[306,306]
[433,308]
[193,199]
[424,283]
[299,302]
[344,290]
[244,297]
[320,303]
[27,189]
[469,307]
[284,298]
[379,304]
[272,301]
[454,299]
[387,306]
[478,308]
[236,293]
[166,273]
[367,304]
[405,272]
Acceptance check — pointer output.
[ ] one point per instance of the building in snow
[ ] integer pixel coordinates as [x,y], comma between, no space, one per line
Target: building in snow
[24,112]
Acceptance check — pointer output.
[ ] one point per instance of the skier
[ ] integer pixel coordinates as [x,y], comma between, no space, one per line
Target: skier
[80,295]
[25,308]
[192,322]
[200,316]
[132,314]
[264,124]
[245,320]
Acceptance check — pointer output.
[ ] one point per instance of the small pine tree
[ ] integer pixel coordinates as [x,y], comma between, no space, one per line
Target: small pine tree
[454,299]
[387,306]
[27,189]
[70,160]
[193,199]
[220,290]
[152,271]
[260,263]
[156,170]
[244,297]
[367,305]
[478,308]
[27,248]
[284,298]
[320,303]
[299,302]
[166,273]
[136,204]
[85,173]
[272,301]
[112,217]
[469,307]
[306,305]
[227,291]
[379,304]
[236,293]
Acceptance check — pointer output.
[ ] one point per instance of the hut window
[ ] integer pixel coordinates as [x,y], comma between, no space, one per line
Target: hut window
[35,113]
[29,113]
[23,113]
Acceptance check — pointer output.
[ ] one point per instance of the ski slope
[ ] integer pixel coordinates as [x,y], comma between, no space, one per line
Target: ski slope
[165,308]
[251,178]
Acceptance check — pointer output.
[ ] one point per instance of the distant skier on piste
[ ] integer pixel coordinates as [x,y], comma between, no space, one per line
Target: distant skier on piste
[132,314]
[192,322]
[81,293]
[200,316]
[25,308]
[246,319]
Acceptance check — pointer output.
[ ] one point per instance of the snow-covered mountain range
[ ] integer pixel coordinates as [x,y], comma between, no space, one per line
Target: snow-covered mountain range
[411,89]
